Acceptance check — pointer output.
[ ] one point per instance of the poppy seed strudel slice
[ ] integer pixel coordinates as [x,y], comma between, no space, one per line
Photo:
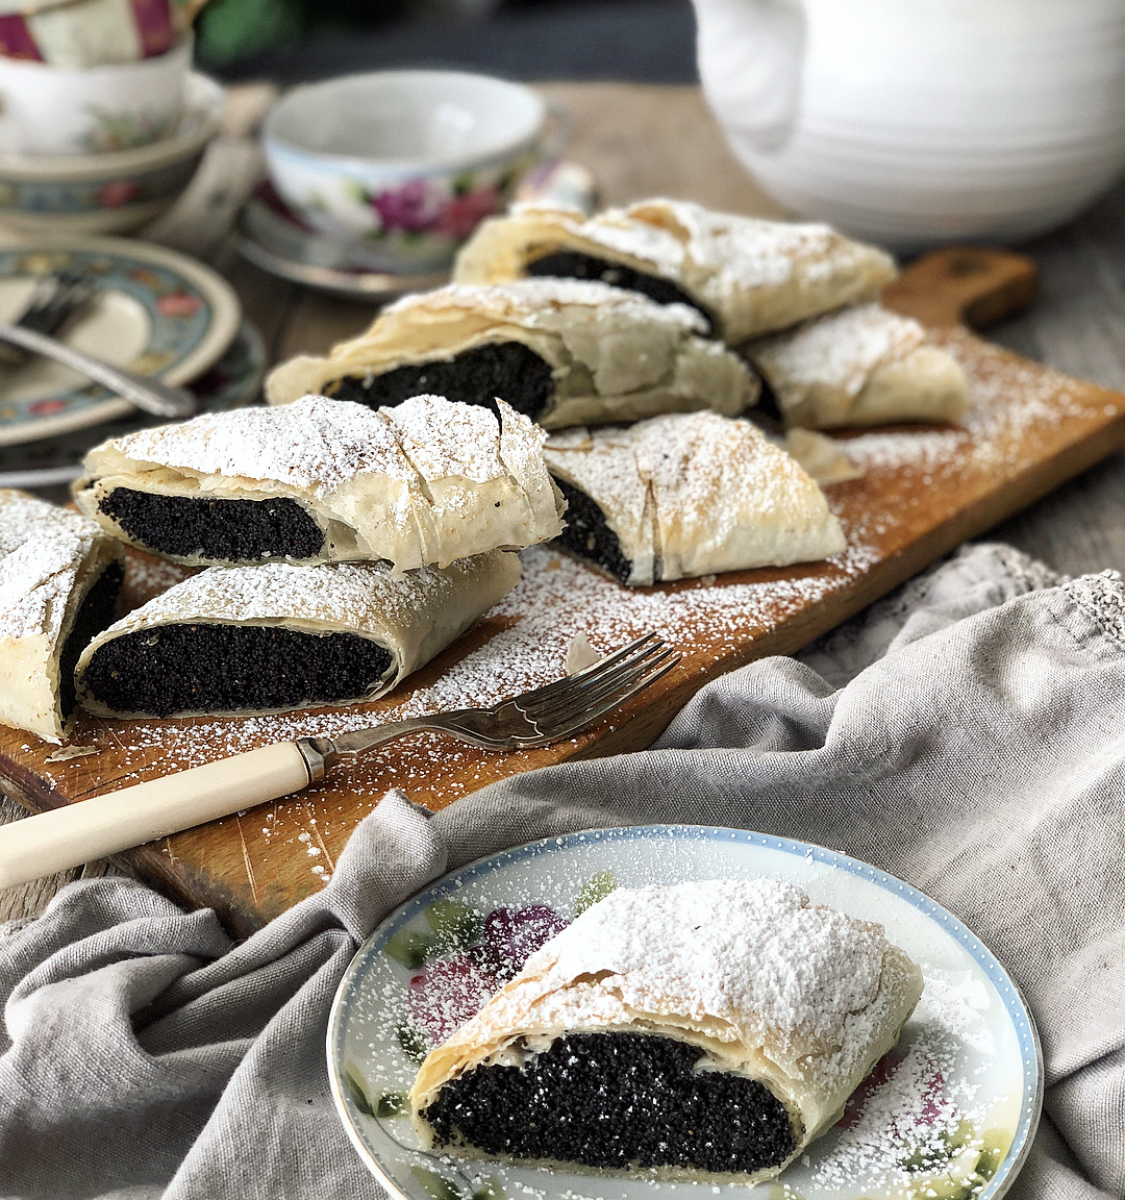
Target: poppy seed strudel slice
[559,351]
[320,481]
[243,640]
[60,576]
[706,1031]
[860,366]
[744,275]
[686,495]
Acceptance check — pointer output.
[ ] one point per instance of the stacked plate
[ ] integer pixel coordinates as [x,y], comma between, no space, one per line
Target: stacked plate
[157,312]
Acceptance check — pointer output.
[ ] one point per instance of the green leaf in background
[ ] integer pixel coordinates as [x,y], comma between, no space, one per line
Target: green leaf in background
[596,888]
[436,1187]
[410,947]
[489,1190]
[229,29]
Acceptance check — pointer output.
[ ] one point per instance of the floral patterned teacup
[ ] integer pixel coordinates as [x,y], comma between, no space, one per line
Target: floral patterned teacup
[51,110]
[408,162]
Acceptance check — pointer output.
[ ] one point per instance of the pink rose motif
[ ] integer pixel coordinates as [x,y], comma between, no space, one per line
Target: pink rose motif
[413,208]
[117,192]
[178,304]
[464,213]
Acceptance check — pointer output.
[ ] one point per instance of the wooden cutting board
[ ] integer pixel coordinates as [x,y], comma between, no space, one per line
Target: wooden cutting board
[924,490]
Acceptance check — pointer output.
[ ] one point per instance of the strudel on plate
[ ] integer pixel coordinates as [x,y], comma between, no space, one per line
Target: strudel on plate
[561,352]
[59,581]
[862,365]
[687,494]
[746,276]
[705,1031]
[244,640]
[320,481]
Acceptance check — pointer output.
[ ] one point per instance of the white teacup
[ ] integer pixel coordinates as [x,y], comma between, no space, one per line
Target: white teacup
[408,161]
[50,110]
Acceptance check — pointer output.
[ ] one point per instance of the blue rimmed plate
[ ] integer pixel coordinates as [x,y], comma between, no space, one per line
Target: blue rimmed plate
[949,1113]
[157,312]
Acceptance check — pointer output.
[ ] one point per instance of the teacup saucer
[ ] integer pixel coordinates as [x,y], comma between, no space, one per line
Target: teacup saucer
[277,240]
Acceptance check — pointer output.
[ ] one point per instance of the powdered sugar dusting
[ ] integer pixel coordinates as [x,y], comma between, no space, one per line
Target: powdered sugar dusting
[773,967]
[41,550]
[839,350]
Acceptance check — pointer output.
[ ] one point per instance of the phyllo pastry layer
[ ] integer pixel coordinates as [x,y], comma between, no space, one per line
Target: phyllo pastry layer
[686,495]
[59,581]
[705,1031]
[244,640]
[860,366]
[319,481]
[746,276]
[559,351]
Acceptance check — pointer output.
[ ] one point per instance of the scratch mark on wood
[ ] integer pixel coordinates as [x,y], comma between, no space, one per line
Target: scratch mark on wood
[323,847]
[246,860]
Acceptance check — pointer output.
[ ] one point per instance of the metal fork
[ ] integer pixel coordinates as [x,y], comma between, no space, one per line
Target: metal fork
[77,833]
[547,714]
[55,301]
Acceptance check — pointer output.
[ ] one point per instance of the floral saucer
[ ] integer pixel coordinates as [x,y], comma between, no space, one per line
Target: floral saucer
[235,380]
[157,312]
[948,1114]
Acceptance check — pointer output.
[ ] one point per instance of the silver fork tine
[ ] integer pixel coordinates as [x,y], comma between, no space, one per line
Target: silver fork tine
[598,670]
[579,691]
[588,717]
[622,677]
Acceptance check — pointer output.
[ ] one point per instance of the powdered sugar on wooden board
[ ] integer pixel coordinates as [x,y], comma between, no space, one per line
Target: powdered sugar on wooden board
[916,479]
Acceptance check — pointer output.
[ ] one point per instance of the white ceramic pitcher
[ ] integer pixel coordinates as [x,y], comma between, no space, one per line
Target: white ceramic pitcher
[911,122]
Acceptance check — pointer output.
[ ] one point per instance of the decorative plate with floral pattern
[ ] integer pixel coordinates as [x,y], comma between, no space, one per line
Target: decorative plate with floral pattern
[157,313]
[948,1114]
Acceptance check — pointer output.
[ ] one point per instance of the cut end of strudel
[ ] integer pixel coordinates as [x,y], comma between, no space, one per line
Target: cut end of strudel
[706,1031]
[245,640]
[745,276]
[320,481]
[687,495]
[60,576]
[559,351]
[862,365]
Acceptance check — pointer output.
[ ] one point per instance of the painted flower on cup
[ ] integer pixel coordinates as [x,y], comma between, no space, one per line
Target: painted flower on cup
[465,212]
[412,208]
[117,192]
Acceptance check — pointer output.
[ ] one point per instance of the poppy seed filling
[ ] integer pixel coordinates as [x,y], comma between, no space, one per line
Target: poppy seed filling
[97,611]
[570,264]
[170,669]
[616,1100]
[588,535]
[224,531]
[509,370]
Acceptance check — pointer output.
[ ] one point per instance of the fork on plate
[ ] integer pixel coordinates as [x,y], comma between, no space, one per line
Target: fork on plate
[77,833]
[55,301]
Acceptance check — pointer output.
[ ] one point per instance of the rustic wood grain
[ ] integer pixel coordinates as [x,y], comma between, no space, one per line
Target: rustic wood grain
[906,511]
[638,141]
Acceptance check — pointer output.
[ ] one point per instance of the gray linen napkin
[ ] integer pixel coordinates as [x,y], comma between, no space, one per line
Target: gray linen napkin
[967,735]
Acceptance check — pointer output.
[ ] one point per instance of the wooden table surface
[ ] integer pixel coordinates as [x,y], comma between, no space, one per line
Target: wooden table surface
[640,140]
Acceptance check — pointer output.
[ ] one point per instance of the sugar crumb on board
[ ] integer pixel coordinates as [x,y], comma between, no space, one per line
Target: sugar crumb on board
[1014,407]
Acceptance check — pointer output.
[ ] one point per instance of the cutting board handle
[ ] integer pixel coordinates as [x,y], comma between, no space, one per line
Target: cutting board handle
[964,285]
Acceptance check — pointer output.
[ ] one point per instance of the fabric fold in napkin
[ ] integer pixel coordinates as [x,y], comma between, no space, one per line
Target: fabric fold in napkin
[965,734]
